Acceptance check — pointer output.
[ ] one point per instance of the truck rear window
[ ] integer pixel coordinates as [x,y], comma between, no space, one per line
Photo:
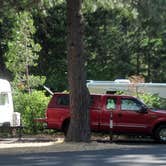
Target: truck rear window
[63,100]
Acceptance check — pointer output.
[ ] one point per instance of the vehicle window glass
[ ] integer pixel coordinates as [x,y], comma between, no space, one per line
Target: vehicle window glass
[4,99]
[111,104]
[63,100]
[91,102]
[94,101]
[130,104]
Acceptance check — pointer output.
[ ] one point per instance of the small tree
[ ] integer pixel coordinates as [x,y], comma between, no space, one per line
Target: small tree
[22,50]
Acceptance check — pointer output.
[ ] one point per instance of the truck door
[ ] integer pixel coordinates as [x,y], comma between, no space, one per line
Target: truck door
[109,107]
[129,119]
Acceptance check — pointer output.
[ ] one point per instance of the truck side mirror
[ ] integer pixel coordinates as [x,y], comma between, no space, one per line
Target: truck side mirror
[143,109]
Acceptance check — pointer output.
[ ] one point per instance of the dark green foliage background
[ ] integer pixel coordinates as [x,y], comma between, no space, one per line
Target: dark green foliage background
[121,39]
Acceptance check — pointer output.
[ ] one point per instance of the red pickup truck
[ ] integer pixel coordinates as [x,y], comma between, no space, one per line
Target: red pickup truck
[129,115]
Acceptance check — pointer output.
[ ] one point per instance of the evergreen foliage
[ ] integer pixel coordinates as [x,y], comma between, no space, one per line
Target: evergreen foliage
[122,37]
[22,50]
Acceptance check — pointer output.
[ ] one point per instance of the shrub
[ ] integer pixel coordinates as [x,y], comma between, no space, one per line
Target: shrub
[163,103]
[30,106]
[150,99]
[153,100]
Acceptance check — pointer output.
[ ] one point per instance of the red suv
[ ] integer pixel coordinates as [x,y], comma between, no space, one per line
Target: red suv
[129,115]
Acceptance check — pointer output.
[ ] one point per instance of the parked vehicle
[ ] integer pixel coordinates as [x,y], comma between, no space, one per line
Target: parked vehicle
[8,117]
[129,115]
[127,87]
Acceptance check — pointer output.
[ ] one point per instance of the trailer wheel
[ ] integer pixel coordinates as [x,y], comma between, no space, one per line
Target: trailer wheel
[160,134]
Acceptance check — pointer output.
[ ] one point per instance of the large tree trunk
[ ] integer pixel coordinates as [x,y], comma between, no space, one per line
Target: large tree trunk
[79,128]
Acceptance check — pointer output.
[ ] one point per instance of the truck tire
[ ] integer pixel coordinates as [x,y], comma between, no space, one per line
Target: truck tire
[65,127]
[160,134]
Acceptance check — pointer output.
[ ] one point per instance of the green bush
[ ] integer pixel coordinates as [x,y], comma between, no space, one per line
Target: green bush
[153,100]
[30,106]
[163,103]
[150,100]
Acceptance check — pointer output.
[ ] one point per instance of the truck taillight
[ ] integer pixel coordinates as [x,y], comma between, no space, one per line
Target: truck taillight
[46,114]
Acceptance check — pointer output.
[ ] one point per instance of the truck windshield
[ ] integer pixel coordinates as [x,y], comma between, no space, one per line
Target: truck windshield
[3,99]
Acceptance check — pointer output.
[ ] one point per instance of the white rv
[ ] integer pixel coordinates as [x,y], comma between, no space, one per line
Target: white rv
[127,87]
[7,115]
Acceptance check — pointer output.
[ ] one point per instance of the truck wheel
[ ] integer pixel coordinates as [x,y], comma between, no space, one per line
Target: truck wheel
[65,128]
[160,134]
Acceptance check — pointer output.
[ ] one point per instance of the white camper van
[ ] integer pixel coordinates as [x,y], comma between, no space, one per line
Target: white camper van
[7,115]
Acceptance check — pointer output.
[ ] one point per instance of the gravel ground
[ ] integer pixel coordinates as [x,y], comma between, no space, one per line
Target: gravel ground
[50,144]
[42,143]
[16,146]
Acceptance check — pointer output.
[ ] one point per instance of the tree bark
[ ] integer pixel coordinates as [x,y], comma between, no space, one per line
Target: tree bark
[79,128]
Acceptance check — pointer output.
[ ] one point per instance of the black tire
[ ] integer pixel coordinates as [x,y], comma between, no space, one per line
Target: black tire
[160,134]
[65,128]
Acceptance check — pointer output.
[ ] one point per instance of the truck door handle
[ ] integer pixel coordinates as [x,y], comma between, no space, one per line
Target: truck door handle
[120,114]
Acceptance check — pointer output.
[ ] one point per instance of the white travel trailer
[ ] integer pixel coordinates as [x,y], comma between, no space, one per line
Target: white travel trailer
[127,87]
[7,115]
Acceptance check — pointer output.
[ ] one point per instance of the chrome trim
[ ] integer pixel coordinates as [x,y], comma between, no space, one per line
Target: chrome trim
[138,126]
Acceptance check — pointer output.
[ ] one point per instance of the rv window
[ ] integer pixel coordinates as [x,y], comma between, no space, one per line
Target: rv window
[4,99]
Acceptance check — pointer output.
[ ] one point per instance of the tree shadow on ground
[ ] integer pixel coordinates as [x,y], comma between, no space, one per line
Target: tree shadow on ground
[124,155]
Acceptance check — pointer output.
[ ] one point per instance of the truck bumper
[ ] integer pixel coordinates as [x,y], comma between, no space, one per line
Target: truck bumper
[40,120]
